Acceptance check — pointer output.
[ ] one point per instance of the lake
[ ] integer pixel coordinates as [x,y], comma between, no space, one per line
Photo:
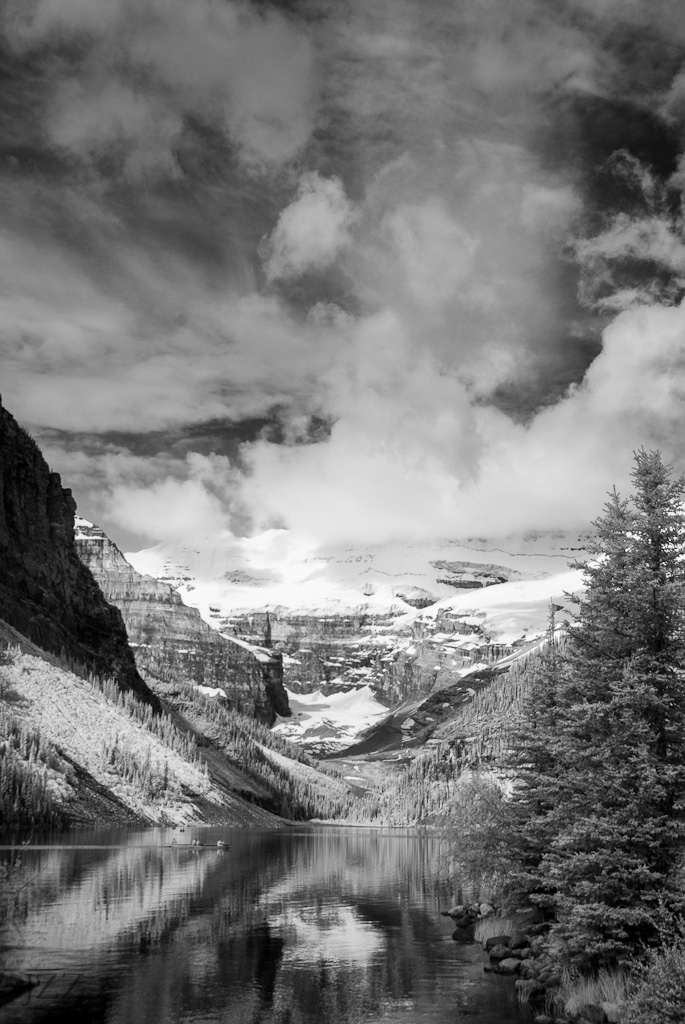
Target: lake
[286,926]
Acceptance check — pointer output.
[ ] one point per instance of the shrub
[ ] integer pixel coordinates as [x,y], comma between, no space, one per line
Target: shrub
[660,992]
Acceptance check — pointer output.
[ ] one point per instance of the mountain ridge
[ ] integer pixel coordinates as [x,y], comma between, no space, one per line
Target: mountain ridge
[46,592]
[170,639]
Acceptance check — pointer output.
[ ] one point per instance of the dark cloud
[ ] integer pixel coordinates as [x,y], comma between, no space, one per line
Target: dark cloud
[343,264]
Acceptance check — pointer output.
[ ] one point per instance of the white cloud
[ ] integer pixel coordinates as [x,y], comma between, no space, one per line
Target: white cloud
[311,231]
[169,510]
[418,461]
[645,238]
[450,253]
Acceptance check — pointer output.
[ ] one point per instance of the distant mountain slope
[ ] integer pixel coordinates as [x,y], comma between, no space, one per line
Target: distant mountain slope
[170,640]
[395,623]
[230,578]
[45,590]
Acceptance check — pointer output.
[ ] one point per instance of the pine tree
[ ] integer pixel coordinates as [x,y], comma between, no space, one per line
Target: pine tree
[596,827]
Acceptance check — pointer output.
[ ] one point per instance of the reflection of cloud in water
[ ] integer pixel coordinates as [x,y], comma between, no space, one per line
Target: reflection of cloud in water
[332,934]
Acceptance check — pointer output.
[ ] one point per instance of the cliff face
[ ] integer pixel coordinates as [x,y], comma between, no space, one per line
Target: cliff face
[46,592]
[172,642]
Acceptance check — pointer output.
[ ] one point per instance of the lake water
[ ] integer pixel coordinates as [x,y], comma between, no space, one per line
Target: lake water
[333,926]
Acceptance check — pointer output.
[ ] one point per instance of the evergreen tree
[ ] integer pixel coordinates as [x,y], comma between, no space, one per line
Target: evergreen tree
[595,827]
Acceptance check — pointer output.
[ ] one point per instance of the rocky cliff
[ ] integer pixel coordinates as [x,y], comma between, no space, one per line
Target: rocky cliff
[46,592]
[171,641]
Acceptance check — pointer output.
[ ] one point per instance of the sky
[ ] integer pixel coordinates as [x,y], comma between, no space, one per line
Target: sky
[394,270]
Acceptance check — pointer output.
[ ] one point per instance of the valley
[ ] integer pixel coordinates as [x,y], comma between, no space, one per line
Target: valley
[367,636]
[249,677]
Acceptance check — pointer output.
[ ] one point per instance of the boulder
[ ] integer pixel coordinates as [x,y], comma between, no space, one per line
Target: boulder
[613,1012]
[500,952]
[464,934]
[463,922]
[593,1013]
[485,909]
[529,969]
[509,965]
[550,976]
[529,989]
[496,940]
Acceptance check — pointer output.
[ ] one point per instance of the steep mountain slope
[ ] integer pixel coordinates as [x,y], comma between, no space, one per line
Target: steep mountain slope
[170,640]
[45,590]
[77,750]
[75,746]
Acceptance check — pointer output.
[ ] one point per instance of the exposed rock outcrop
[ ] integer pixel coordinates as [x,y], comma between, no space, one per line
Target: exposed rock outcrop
[172,642]
[46,592]
[399,663]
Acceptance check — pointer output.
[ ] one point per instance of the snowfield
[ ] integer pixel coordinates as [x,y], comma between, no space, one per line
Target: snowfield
[226,576]
[334,721]
[453,607]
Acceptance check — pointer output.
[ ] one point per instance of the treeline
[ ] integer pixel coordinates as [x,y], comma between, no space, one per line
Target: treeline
[25,757]
[431,788]
[592,832]
[299,789]
[150,777]
[37,782]
[160,724]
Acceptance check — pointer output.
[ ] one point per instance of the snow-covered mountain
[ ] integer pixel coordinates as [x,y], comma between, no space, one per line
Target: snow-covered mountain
[225,577]
[367,628]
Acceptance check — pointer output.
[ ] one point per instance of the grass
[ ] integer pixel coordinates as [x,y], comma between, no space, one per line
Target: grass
[607,986]
[500,924]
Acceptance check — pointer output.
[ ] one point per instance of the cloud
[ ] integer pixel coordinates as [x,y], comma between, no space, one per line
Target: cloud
[162,497]
[311,231]
[172,509]
[435,252]
[142,69]
[418,460]
[96,118]
[359,222]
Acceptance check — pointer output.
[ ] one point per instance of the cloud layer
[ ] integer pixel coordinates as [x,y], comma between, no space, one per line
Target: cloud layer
[360,270]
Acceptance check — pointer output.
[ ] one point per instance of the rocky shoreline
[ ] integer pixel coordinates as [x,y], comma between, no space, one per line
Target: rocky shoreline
[521,954]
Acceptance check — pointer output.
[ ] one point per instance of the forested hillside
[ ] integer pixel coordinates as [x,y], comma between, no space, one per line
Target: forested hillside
[75,749]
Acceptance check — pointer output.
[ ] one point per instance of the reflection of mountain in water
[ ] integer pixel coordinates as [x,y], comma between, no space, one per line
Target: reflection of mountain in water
[284,928]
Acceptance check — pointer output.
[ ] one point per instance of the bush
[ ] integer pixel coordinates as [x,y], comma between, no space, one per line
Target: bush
[660,994]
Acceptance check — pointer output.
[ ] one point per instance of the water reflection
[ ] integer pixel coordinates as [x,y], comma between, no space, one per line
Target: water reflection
[286,927]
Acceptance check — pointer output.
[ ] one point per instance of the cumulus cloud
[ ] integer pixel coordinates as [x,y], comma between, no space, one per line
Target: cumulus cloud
[162,497]
[366,224]
[420,459]
[311,231]
[169,510]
